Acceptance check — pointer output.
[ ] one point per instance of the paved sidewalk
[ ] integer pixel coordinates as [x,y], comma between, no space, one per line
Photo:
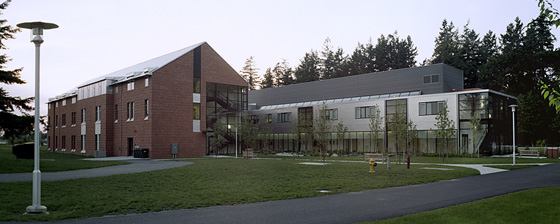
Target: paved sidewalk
[137,166]
[359,206]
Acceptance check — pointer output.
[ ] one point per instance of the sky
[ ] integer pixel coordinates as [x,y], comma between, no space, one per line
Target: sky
[102,36]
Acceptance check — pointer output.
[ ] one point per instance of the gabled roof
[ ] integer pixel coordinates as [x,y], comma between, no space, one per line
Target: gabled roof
[151,65]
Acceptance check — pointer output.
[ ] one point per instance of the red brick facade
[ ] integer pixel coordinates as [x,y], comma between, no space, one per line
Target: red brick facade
[169,94]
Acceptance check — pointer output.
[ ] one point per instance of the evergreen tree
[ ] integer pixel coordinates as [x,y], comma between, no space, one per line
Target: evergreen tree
[250,73]
[11,124]
[470,56]
[487,78]
[447,46]
[283,73]
[268,80]
[310,68]
[333,63]
[358,62]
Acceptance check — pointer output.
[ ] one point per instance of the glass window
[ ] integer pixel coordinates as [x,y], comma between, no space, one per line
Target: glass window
[435,78]
[196,111]
[427,79]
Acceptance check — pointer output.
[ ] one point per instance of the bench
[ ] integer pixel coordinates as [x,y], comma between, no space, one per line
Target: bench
[375,156]
[529,153]
[249,153]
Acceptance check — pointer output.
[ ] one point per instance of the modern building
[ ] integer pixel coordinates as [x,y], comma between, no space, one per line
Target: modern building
[164,105]
[168,106]
[417,94]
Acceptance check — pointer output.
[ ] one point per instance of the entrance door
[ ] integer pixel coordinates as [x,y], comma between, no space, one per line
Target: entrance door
[130,146]
[465,143]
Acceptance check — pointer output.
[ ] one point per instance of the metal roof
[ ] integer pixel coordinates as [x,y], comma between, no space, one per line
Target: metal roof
[152,65]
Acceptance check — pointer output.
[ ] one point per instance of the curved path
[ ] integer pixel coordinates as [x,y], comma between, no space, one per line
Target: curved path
[137,166]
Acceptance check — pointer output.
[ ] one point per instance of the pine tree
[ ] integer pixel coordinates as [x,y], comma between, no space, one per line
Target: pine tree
[11,124]
[309,69]
[447,45]
[283,73]
[250,73]
[268,80]
[332,62]
[470,56]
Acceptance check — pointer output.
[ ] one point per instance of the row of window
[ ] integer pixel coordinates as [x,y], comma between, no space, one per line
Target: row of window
[73,143]
[129,114]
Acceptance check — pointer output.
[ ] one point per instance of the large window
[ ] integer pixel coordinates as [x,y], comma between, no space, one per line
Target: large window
[84,116]
[268,118]
[364,112]
[130,111]
[146,106]
[97,113]
[63,120]
[431,79]
[430,108]
[116,112]
[73,119]
[285,117]
[196,85]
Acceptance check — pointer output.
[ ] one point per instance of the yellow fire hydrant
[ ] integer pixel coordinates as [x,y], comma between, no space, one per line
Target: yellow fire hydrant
[372,164]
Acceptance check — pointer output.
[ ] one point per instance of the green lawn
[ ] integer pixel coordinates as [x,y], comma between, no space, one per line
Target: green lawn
[510,167]
[530,206]
[208,182]
[50,162]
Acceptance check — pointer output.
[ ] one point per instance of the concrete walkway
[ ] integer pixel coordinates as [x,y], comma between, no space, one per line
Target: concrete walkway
[359,206]
[137,166]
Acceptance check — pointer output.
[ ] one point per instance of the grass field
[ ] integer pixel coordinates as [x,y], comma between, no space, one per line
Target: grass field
[50,162]
[208,182]
[529,206]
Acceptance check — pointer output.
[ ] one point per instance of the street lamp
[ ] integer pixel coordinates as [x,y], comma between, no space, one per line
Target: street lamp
[513,117]
[37,38]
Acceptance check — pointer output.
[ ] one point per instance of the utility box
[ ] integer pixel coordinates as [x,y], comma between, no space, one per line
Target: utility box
[552,153]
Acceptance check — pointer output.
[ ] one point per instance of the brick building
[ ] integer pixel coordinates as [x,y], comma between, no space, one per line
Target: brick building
[162,105]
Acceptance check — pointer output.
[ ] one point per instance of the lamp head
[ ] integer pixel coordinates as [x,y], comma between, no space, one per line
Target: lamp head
[37,29]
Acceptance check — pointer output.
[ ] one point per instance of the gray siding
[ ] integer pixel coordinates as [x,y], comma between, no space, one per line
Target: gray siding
[394,81]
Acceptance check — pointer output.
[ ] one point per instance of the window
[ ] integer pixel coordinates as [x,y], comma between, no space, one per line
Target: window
[73,119]
[430,79]
[97,113]
[63,143]
[56,121]
[430,108]
[254,119]
[147,82]
[84,116]
[364,112]
[116,89]
[196,85]
[196,111]
[284,117]
[63,120]
[116,113]
[146,104]
[130,85]
[73,143]
[57,104]
[130,111]
[64,102]
[332,114]
[268,118]
[74,100]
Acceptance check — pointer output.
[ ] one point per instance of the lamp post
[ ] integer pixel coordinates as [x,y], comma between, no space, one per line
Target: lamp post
[513,117]
[37,38]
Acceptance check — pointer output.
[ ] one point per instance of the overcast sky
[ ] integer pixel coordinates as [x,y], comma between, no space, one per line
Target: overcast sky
[102,36]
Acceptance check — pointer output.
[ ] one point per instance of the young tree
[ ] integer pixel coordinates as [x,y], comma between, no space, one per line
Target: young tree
[476,131]
[250,73]
[412,135]
[321,130]
[11,124]
[302,132]
[375,126]
[250,131]
[445,127]
[341,131]
[219,137]
[398,127]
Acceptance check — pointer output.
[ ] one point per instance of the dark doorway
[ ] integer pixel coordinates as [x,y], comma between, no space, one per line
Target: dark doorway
[130,146]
